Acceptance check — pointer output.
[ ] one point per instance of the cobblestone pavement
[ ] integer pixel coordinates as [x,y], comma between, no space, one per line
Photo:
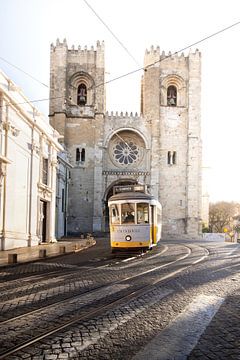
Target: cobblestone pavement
[178,310]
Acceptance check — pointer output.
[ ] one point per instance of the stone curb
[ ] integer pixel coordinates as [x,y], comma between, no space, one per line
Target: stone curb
[73,246]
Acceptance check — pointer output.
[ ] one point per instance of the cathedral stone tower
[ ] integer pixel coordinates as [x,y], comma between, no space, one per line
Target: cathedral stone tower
[77,110]
[161,148]
[171,91]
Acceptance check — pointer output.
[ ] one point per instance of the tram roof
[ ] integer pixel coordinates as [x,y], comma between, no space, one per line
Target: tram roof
[131,196]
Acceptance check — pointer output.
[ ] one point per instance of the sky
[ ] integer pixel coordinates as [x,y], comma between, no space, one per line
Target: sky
[28,27]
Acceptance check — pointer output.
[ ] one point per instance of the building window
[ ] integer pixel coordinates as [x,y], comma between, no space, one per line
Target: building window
[82,95]
[172,96]
[83,155]
[80,155]
[77,154]
[126,152]
[169,157]
[172,157]
[45,171]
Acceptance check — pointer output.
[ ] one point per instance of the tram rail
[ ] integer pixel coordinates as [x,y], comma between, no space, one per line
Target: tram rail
[101,308]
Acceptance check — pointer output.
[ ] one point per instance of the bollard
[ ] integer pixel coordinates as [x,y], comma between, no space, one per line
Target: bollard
[12,258]
[42,253]
[62,249]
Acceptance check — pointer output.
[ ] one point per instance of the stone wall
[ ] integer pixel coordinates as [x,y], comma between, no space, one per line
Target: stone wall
[161,148]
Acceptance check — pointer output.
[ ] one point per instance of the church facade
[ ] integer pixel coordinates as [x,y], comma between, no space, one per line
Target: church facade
[160,148]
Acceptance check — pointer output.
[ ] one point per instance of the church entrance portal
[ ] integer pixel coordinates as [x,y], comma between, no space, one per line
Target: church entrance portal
[43,221]
[109,193]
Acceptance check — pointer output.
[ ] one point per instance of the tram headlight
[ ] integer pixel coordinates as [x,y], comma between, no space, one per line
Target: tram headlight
[128,238]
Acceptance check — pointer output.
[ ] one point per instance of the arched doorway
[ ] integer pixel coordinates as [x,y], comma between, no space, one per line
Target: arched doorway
[109,193]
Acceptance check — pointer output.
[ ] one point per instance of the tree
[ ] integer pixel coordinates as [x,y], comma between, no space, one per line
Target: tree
[221,216]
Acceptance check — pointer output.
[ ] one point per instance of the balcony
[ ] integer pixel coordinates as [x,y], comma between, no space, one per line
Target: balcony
[80,111]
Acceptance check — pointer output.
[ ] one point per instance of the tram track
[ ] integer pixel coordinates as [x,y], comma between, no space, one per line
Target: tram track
[89,313]
[60,271]
[92,290]
[44,278]
[77,287]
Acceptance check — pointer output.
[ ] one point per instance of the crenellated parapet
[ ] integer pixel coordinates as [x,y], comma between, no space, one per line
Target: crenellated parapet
[99,46]
[123,115]
[153,56]
[92,55]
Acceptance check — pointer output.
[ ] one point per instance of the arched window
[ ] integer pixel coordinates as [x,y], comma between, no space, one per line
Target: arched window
[82,95]
[80,155]
[172,157]
[83,155]
[169,158]
[77,154]
[172,96]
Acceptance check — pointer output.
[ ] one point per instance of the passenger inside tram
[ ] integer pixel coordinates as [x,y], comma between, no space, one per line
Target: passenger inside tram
[129,218]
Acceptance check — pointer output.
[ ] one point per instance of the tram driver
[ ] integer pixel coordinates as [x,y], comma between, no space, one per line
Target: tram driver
[129,218]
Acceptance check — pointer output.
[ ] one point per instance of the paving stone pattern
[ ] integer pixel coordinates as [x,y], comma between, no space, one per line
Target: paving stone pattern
[122,332]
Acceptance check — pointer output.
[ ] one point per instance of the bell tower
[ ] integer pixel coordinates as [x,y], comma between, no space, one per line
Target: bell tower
[77,107]
[76,83]
[171,93]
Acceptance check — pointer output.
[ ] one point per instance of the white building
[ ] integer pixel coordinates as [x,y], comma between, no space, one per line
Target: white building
[63,179]
[28,161]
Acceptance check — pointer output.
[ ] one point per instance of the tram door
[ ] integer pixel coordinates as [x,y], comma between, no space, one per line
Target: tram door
[153,222]
[110,193]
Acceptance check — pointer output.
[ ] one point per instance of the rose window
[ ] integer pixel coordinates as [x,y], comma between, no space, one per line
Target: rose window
[126,152]
[126,149]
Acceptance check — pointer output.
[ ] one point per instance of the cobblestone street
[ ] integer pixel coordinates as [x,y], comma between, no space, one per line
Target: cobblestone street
[179,301]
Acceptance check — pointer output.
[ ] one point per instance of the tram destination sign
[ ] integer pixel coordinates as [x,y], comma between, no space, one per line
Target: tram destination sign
[129,188]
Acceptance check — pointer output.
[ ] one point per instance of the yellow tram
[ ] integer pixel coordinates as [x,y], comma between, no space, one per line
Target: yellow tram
[135,220]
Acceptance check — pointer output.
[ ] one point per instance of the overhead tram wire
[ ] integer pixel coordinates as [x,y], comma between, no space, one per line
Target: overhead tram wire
[111,32]
[16,67]
[136,70]
[33,101]
[167,56]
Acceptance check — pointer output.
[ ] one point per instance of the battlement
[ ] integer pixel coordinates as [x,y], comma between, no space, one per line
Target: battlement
[79,49]
[154,57]
[61,54]
[116,115]
[153,50]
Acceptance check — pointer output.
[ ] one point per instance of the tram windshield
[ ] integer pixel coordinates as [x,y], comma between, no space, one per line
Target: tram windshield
[142,213]
[131,213]
[128,213]
[115,214]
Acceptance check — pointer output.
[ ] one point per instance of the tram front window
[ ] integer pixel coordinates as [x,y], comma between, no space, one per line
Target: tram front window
[128,213]
[114,214]
[142,213]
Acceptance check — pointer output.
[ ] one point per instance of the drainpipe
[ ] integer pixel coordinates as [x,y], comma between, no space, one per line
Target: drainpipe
[31,184]
[52,204]
[6,128]
[66,201]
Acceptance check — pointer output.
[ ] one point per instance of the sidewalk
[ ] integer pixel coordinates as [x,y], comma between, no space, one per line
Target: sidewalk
[34,253]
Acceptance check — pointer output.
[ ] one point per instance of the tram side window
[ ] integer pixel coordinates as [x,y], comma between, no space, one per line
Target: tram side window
[128,213]
[142,213]
[114,212]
